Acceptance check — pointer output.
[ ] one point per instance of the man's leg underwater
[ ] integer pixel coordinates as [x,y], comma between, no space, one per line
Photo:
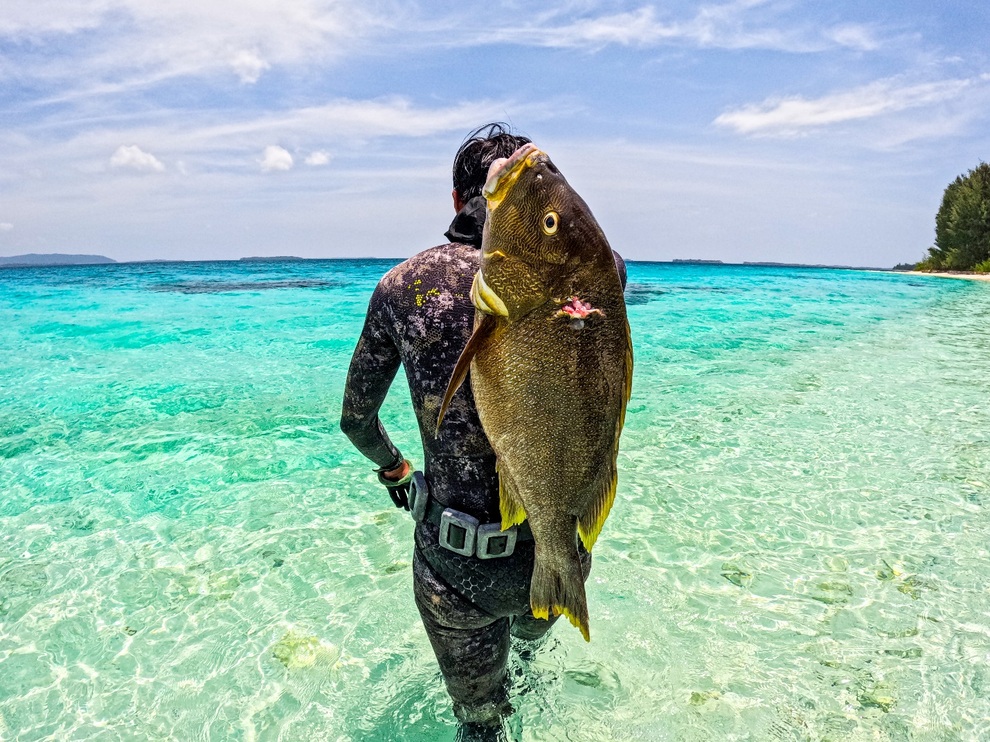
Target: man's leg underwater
[530,628]
[471,646]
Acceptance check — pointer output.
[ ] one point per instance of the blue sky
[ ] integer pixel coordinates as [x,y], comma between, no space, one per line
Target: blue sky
[752,130]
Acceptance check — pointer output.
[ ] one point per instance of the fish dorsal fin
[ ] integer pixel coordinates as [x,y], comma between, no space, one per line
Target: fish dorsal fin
[482,331]
[590,523]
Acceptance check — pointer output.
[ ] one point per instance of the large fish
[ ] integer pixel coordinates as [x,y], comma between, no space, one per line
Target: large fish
[551,369]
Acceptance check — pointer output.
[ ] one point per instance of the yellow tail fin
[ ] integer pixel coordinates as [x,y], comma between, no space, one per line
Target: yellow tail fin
[560,592]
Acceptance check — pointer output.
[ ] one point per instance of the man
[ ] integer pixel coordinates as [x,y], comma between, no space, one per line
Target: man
[471,583]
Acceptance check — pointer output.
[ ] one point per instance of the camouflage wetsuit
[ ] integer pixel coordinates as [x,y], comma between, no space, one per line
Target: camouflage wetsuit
[421,316]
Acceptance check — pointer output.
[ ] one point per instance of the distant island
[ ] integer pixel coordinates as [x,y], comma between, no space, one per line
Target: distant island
[763,264]
[55,258]
[270,259]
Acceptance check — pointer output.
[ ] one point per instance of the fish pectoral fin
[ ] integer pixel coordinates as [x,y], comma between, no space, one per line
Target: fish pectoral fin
[482,331]
[509,505]
[590,524]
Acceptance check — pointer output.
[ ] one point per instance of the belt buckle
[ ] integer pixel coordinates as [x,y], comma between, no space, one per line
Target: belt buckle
[458,532]
[419,495]
[494,543]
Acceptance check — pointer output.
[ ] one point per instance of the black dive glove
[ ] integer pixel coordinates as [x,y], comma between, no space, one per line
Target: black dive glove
[398,490]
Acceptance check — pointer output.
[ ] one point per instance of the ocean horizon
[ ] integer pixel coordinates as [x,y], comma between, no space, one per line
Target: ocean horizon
[66,260]
[190,548]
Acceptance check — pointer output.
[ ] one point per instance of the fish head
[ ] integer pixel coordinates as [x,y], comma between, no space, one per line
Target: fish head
[538,230]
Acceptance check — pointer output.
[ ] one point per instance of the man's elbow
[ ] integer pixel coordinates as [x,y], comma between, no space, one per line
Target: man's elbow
[351,426]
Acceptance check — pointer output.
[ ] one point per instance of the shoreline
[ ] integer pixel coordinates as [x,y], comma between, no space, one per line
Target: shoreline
[943,274]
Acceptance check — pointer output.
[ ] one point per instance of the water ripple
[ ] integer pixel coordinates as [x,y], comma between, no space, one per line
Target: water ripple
[190,549]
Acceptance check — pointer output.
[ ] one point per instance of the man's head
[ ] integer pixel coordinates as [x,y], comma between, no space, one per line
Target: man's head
[480,149]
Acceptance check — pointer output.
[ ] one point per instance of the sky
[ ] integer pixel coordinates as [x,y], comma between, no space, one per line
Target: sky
[748,130]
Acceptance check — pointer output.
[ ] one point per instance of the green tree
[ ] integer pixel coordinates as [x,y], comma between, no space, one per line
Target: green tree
[962,224]
[943,220]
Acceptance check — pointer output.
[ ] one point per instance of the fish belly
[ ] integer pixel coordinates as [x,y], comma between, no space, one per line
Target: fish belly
[550,400]
[550,403]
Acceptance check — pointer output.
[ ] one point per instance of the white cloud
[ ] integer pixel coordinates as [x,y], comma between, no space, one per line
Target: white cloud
[33,17]
[318,158]
[6,226]
[853,37]
[637,27]
[742,24]
[249,66]
[129,42]
[134,158]
[794,115]
[222,141]
[393,116]
[347,120]
[275,158]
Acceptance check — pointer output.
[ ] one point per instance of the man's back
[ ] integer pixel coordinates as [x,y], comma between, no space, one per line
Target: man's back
[421,315]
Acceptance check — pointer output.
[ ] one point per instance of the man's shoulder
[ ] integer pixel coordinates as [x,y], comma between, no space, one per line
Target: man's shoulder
[437,266]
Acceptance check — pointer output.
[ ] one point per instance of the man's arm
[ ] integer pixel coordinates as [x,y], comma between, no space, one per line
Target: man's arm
[373,367]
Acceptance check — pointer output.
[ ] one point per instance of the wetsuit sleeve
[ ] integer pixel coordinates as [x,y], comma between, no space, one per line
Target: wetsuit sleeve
[620,266]
[373,367]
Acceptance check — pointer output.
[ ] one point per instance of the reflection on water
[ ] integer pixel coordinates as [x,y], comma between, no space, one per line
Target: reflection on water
[190,549]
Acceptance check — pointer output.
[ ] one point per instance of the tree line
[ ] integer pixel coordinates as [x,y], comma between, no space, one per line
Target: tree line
[962,225]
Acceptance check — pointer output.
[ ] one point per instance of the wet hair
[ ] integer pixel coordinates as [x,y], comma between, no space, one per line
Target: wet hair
[479,150]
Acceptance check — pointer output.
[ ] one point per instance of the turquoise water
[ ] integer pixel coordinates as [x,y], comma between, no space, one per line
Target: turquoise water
[189,549]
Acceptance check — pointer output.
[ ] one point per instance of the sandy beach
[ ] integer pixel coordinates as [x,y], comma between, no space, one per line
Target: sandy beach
[972,276]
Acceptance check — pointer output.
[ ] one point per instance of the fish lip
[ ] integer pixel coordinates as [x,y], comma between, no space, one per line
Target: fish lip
[485,299]
[503,173]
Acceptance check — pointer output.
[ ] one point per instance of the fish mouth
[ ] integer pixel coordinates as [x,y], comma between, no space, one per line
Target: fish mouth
[485,299]
[504,172]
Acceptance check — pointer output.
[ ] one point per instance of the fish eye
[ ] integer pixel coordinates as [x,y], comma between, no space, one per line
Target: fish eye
[550,222]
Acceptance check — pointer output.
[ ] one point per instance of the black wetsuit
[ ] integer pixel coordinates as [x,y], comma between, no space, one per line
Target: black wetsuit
[421,316]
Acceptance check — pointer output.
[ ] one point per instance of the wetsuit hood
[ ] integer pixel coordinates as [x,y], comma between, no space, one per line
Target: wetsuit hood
[468,223]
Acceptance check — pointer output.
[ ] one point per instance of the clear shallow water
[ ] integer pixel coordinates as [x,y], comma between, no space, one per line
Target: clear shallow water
[189,549]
